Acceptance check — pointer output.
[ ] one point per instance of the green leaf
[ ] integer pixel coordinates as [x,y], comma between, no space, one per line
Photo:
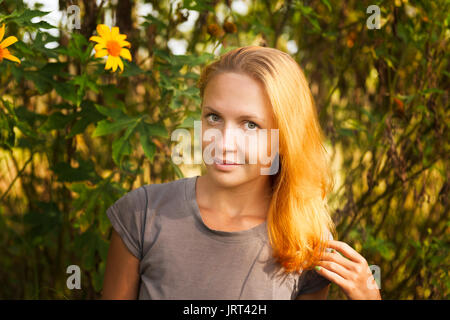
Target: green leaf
[105,127]
[42,83]
[196,5]
[346,132]
[83,82]
[66,173]
[56,121]
[131,69]
[115,114]
[327,3]
[163,54]
[147,145]
[26,129]
[368,114]
[192,116]
[66,90]
[110,93]
[309,14]
[187,123]
[175,103]
[122,147]
[87,115]
[152,20]
[43,223]
[156,130]
[99,276]
[24,19]
[432,90]
[314,22]
[44,25]
[354,124]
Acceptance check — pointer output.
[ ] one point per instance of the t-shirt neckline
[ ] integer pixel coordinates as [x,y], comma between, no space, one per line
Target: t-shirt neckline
[244,235]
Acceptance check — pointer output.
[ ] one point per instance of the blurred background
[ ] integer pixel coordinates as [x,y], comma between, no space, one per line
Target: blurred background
[75,137]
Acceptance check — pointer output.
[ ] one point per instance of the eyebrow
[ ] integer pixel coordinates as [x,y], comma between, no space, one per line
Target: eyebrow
[244,116]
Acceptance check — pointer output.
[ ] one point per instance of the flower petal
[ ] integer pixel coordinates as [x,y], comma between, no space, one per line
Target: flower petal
[109,62]
[104,31]
[115,63]
[120,62]
[2,32]
[101,53]
[99,47]
[97,39]
[123,43]
[121,37]
[12,58]
[125,53]
[114,32]
[8,41]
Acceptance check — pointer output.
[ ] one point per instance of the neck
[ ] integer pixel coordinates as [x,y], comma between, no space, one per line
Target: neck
[249,199]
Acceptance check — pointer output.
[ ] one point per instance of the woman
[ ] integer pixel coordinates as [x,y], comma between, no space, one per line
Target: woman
[245,229]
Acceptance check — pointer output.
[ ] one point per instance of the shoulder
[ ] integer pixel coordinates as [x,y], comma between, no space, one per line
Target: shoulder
[128,207]
[162,198]
[156,192]
[173,192]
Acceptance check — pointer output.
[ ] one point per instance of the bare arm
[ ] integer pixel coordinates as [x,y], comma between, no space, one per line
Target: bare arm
[121,279]
[318,295]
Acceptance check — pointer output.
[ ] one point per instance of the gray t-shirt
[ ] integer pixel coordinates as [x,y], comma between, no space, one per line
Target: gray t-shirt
[182,258]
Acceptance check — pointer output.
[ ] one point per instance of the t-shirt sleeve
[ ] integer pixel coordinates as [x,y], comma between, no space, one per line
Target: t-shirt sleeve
[126,216]
[312,281]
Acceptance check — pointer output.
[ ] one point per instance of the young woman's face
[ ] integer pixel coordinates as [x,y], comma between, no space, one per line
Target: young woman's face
[235,112]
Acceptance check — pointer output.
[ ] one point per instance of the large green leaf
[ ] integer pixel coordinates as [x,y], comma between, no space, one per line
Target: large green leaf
[113,113]
[148,146]
[66,90]
[85,171]
[86,116]
[105,127]
[122,146]
[57,120]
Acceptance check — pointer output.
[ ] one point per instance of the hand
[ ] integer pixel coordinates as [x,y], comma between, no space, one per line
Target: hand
[350,271]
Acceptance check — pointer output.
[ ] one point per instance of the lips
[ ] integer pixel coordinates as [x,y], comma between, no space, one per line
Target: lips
[226,162]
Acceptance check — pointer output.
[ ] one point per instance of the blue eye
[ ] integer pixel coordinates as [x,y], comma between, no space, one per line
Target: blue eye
[210,118]
[255,126]
[212,114]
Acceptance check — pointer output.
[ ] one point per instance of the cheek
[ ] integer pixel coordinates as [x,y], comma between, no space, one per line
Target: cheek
[252,150]
[256,148]
[265,150]
[205,139]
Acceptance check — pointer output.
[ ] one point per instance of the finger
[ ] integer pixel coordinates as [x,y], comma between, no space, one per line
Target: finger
[336,268]
[337,258]
[332,276]
[346,250]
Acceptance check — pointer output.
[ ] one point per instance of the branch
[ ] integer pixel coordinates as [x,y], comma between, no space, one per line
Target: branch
[17,176]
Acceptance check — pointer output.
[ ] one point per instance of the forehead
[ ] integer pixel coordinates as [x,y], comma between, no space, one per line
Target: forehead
[236,94]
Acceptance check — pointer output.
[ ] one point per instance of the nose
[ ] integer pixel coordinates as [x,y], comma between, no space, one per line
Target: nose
[229,139]
[232,146]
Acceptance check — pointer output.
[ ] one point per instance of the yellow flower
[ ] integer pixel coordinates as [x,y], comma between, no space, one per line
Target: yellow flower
[4,53]
[110,42]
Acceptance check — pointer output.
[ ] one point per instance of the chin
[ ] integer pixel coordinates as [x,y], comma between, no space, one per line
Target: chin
[232,178]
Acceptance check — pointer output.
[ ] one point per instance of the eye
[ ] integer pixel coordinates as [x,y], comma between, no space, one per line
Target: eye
[252,125]
[213,115]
